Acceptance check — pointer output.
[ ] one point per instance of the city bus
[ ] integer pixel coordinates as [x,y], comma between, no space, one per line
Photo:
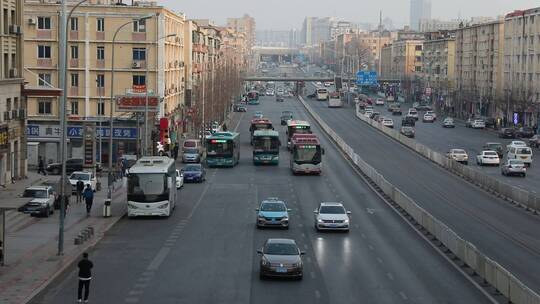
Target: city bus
[296,127]
[259,124]
[334,100]
[253,98]
[306,154]
[266,147]
[151,187]
[322,94]
[223,149]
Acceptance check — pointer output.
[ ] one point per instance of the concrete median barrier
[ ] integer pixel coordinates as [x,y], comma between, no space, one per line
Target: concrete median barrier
[493,273]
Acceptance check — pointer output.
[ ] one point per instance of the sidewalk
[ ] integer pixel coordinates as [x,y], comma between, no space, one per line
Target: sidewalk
[31,250]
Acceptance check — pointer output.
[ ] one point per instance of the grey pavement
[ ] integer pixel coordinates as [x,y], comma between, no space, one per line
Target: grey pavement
[206,251]
[500,230]
[31,248]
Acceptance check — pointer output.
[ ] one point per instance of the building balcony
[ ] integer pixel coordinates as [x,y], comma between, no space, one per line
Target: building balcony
[44,62]
[135,36]
[73,35]
[43,34]
[200,48]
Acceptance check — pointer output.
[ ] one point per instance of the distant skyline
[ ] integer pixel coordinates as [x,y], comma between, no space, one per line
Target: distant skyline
[282,15]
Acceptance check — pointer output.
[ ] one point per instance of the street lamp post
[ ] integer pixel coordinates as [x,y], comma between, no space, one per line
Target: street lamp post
[111,108]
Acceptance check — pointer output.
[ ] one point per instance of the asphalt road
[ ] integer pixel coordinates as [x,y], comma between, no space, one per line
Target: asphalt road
[206,251]
[505,233]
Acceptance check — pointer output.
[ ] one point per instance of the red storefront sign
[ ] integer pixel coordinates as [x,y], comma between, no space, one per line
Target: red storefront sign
[138,88]
[136,103]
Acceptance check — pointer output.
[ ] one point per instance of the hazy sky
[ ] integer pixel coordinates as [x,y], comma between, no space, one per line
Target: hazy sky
[287,14]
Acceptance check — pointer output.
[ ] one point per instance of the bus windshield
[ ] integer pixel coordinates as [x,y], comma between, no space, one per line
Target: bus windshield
[298,130]
[265,143]
[307,154]
[219,147]
[147,187]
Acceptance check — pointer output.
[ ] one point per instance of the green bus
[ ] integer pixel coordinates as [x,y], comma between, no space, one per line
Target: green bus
[223,149]
[266,147]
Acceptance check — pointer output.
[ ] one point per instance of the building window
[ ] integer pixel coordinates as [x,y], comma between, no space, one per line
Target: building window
[44,106]
[100,80]
[74,23]
[44,80]
[418,48]
[74,107]
[44,23]
[139,26]
[44,52]
[100,53]
[100,24]
[8,104]
[139,54]
[139,80]
[74,52]
[100,108]
[418,69]
[75,80]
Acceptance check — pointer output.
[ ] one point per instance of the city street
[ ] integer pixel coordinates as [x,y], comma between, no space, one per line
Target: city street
[206,251]
[504,232]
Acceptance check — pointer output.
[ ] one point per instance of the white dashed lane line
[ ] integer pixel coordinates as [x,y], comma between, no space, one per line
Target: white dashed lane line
[403,296]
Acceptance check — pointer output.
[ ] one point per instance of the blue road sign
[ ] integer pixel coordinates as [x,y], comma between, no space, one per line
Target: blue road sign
[366,78]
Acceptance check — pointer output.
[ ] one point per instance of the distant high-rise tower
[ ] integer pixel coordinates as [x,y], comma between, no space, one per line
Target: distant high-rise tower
[420,10]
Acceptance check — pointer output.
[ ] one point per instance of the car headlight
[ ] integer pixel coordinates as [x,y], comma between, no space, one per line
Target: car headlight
[296,265]
[44,204]
[285,218]
[265,262]
[320,221]
[346,221]
[164,206]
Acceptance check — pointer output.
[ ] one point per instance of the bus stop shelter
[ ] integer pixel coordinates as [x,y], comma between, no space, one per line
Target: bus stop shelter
[5,206]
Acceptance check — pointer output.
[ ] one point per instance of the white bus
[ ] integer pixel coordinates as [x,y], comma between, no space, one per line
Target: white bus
[334,100]
[322,94]
[151,187]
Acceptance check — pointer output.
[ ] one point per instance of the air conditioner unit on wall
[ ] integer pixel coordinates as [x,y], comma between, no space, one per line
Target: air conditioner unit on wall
[32,21]
[15,29]
[136,65]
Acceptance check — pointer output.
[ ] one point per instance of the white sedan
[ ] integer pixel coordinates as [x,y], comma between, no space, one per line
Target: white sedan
[179,179]
[488,158]
[379,102]
[428,118]
[387,122]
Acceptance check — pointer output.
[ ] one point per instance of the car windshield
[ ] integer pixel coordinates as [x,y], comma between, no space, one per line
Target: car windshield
[407,129]
[515,162]
[286,113]
[307,154]
[265,143]
[332,210]
[280,249]
[191,151]
[147,187]
[524,151]
[190,143]
[192,168]
[81,176]
[35,193]
[273,207]
[458,151]
[490,153]
[494,146]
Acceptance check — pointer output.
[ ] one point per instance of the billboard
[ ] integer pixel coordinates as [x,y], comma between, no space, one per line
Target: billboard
[136,103]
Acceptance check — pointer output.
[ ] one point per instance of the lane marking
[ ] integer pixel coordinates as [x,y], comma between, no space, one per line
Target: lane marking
[159,258]
[198,201]
[363,236]
[131,300]
[239,120]
[312,274]
[379,260]
[135,292]
[390,276]
[403,295]
[371,247]
[308,259]
[140,285]
[303,235]
[317,294]
[144,280]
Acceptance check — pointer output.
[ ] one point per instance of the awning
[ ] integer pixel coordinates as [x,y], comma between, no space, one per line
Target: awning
[40,91]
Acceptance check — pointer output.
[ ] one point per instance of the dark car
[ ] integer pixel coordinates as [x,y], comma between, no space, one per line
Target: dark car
[525,132]
[408,121]
[194,173]
[493,146]
[279,98]
[285,116]
[312,96]
[72,165]
[534,141]
[423,107]
[490,122]
[397,111]
[240,108]
[281,258]
[507,133]
[407,131]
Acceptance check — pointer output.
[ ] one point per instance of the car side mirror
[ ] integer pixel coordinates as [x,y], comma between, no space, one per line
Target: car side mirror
[302,253]
[323,151]
[259,251]
[348,212]
[256,209]
[315,211]
[289,210]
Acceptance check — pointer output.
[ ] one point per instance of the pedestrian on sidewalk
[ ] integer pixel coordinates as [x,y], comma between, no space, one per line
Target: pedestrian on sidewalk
[85,276]
[80,189]
[41,166]
[175,151]
[88,198]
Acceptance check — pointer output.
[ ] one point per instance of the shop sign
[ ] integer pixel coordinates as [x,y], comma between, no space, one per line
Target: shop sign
[4,138]
[50,131]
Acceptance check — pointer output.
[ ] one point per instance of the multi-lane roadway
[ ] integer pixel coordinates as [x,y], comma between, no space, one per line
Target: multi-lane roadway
[206,251]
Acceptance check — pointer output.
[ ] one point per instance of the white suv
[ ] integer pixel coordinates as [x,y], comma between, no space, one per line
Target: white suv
[478,124]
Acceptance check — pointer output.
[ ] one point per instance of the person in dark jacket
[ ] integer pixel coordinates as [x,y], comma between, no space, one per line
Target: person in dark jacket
[175,151]
[80,189]
[85,275]
[41,166]
[88,198]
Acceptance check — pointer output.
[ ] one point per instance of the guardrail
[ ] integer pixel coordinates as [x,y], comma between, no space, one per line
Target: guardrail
[504,190]
[492,273]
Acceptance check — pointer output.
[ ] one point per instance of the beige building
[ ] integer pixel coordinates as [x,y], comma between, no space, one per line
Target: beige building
[375,41]
[149,57]
[478,69]
[244,24]
[402,59]
[12,106]
[438,61]
[522,66]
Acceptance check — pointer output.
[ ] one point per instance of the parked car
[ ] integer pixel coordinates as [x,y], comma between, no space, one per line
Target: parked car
[478,124]
[514,167]
[87,177]
[55,186]
[507,133]
[407,131]
[273,212]
[194,173]
[279,98]
[448,122]
[493,146]
[488,157]
[179,179]
[525,132]
[534,141]
[490,122]
[280,258]
[72,165]
[240,108]
[41,203]
[458,155]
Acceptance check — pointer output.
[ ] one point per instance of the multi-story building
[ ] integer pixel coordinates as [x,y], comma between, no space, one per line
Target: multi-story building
[438,62]
[402,59]
[522,66]
[419,10]
[478,69]
[149,59]
[375,41]
[432,25]
[342,27]
[386,61]
[12,106]
[244,24]
[316,29]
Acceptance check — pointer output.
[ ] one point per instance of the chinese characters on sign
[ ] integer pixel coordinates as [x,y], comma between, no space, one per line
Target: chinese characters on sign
[43,131]
[4,141]
[89,147]
[136,103]
[366,78]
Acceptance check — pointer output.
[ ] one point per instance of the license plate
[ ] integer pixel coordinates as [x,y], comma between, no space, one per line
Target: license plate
[524,157]
[333,225]
[281,270]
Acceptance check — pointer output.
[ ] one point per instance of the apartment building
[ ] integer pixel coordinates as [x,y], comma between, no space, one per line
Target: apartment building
[438,65]
[149,59]
[522,66]
[478,69]
[245,24]
[402,59]
[12,105]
